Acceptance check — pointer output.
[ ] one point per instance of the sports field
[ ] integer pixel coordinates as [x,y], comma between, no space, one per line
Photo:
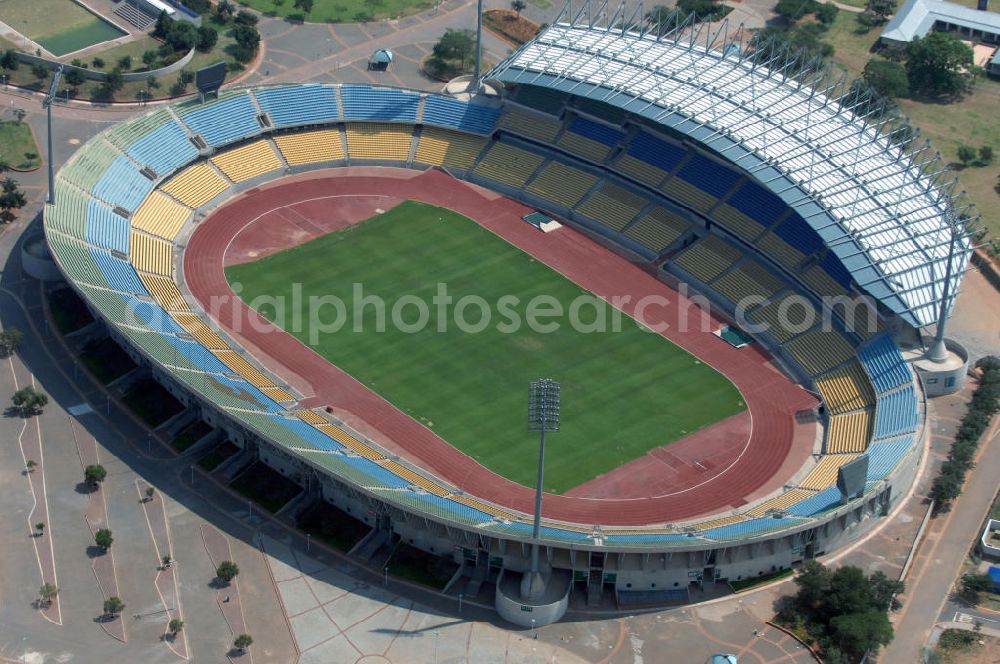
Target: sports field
[61,26]
[623,392]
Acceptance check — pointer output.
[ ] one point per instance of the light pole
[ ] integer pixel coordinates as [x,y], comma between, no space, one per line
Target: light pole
[385,576]
[308,537]
[543,416]
[479,46]
[47,104]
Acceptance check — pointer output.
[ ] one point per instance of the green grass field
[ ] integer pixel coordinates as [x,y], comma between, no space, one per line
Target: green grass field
[61,26]
[17,145]
[623,393]
[341,11]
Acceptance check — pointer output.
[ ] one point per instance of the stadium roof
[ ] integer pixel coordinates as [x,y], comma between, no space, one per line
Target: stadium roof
[889,215]
[917,17]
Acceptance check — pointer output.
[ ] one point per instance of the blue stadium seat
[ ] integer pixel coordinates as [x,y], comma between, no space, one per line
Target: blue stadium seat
[120,274]
[450,112]
[596,131]
[196,355]
[309,433]
[896,413]
[634,538]
[362,102]
[298,104]
[122,185]
[757,203]
[224,121]
[708,175]
[241,389]
[164,149]
[800,235]
[653,151]
[884,456]
[747,528]
[813,505]
[884,364]
[105,228]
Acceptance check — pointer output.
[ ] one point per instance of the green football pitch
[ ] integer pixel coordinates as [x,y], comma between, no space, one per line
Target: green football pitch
[623,392]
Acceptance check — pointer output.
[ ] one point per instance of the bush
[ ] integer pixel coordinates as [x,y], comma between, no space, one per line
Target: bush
[98,63]
[826,14]
[966,153]
[206,38]
[886,78]
[986,154]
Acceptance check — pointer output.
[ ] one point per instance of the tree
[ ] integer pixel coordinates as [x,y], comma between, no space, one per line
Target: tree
[455,45]
[702,9]
[40,527]
[243,641]
[98,63]
[985,154]
[150,492]
[305,5]
[182,36]
[247,39]
[826,13]
[113,606]
[39,71]
[74,77]
[113,82]
[518,6]
[966,153]
[149,58]
[47,593]
[163,24]
[31,465]
[11,197]
[225,9]
[10,339]
[124,63]
[939,65]
[94,474]
[887,78]
[206,38]
[244,17]
[792,10]
[227,571]
[9,61]
[972,584]
[29,401]
[862,631]
[103,538]
[880,10]
[175,626]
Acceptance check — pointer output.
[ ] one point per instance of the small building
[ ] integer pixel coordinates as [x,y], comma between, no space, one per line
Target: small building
[990,541]
[916,18]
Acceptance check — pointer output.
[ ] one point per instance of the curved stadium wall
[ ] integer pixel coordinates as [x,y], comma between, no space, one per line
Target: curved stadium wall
[127,197]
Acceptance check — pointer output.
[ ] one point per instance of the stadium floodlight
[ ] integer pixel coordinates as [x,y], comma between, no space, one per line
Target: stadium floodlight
[47,104]
[543,417]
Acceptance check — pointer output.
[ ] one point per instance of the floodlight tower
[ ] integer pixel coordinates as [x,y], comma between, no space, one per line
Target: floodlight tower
[479,47]
[47,105]
[543,416]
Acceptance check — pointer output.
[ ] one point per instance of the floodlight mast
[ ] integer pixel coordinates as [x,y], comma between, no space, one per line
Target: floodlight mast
[543,416]
[47,105]
[479,47]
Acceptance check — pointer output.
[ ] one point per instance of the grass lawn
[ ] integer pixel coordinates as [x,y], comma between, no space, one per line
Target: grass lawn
[68,310]
[190,435]
[623,393]
[333,526]
[17,145]
[410,563]
[151,403]
[213,459]
[106,360]
[751,582]
[61,26]
[266,487]
[342,11]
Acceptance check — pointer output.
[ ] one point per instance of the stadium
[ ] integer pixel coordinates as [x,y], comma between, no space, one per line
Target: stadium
[682,165]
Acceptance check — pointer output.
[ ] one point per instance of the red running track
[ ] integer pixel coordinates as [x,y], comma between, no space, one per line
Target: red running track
[311,204]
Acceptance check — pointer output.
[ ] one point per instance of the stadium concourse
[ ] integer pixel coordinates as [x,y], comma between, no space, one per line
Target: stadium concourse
[654,198]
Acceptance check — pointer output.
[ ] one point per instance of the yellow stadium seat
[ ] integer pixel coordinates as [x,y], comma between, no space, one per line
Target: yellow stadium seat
[310,147]
[196,185]
[248,161]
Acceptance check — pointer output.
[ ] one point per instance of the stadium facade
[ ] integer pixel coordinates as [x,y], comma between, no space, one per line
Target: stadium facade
[739,172]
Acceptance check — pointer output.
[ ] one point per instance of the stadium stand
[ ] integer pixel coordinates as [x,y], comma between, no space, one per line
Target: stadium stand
[819,350]
[612,206]
[541,99]
[747,280]
[540,127]
[166,293]
[455,114]
[657,229]
[780,251]
[367,140]
[224,121]
[849,432]
[884,364]
[452,149]
[86,167]
[163,149]
[821,502]
[815,276]
[122,185]
[106,229]
[561,184]
[362,102]
[588,139]
[508,165]
[160,215]
[151,254]
[248,161]
[824,474]
[310,147]
[196,185]
[118,273]
[707,258]
[780,503]
[883,456]
[293,105]
[896,413]
[846,389]
[785,316]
